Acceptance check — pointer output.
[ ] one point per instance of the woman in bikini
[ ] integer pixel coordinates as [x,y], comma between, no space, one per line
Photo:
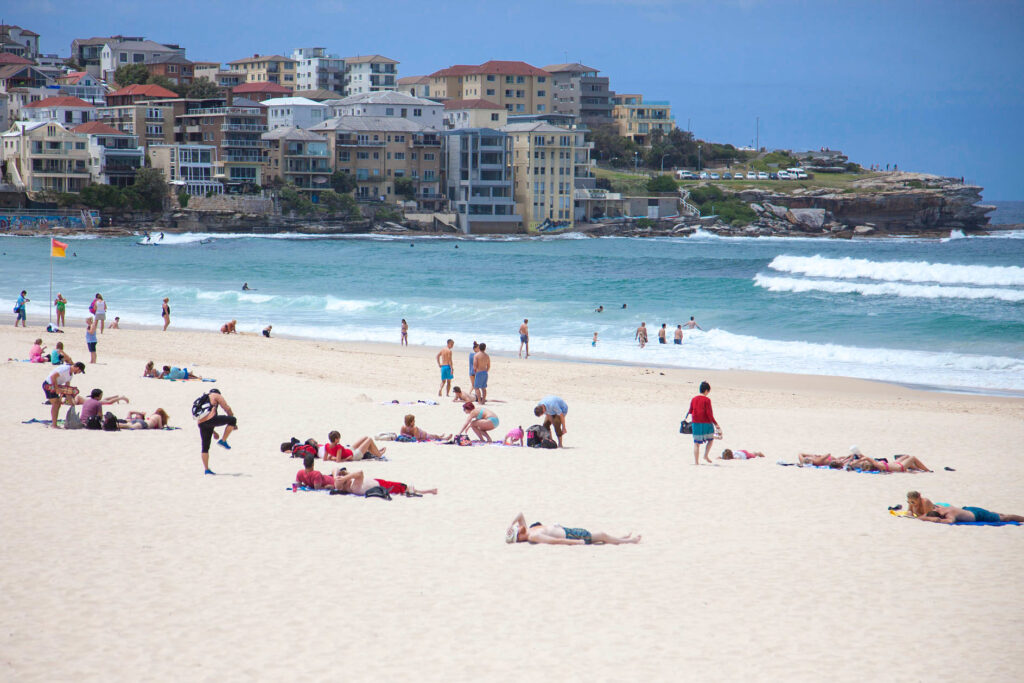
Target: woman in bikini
[409,428]
[901,463]
[155,420]
[480,420]
[556,534]
[820,460]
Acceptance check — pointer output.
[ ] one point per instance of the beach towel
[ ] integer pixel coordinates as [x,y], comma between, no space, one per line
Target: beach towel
[35,420]
[190,379]
[825,467]
[396,402]
[906,513]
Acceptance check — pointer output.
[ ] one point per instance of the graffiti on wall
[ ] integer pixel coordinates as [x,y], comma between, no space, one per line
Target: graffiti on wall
[14,221]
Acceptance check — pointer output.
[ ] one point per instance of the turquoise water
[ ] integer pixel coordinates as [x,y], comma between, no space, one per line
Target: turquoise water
[945,313]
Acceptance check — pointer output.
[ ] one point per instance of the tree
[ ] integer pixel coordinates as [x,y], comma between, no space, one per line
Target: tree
[149,190]
[340,203]
[103,197]
[342,182]
[203,89]
[662,183]
[131,74]
[405,187]
[167,83]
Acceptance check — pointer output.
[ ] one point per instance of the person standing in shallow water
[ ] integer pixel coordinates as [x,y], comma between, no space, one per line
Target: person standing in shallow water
[405,333]
[524,338]
[641,335]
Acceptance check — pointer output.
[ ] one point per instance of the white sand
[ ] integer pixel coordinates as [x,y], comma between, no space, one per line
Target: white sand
[121,561]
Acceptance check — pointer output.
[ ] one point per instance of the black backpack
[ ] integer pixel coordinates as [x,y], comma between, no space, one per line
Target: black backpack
[536,435]
[110,423]
[202,406]
[377,492]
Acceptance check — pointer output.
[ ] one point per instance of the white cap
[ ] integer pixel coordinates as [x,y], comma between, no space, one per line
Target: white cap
[512,534]
[855,450]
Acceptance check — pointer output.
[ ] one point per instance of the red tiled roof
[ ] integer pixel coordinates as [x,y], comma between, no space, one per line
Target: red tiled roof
[8,58]
[147,90]
[471,104]
[64,101]
[260,87]
[495,66]
[73,77]
[96,128]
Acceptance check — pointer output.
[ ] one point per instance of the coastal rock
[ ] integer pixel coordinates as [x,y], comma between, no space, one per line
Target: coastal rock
[756,208]
[863,230]
[779,211]
[808,218]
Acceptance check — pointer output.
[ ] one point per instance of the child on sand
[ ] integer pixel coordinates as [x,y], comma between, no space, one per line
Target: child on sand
[410,429]
[729,454]
[513,436]
[35,354]
[117,323]
[229,327]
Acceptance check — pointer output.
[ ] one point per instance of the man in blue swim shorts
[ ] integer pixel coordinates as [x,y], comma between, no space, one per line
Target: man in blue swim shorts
[482,365]
[951,514]
[444,361]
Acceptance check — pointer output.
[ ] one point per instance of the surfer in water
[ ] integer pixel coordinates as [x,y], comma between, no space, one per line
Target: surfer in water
[245,286]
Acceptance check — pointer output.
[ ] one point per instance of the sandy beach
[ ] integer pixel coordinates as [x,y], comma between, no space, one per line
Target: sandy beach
[122,561]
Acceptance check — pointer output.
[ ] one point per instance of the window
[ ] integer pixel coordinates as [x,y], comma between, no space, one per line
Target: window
[399,138]
[138,58]
[399,156]
[520,79]
[79,145]
[520,93]
[540,107]
[495,117]
[520,107]
[376,155]
[427,156]
[490,77]
[541,93]
[405,112]
[123,58]
[362,155]
[344,156]
[415,112]
[542,79]
[490,91]
[389,111]
[508,93]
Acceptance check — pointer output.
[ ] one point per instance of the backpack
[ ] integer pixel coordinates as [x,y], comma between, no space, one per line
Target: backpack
[202,406]
[536,434]
[73,421]
[110,423]
[377,492]
[92,307]
[548,442]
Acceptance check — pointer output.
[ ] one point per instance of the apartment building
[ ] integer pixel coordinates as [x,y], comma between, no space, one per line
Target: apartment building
[117,53]
[70,111]
[377,149]
[516,86]
[261,91]
[294,112]
[83,85]
[473,114]
[266,69]
[478,180]
[114,157]
[579,91]
[299,157]
[417,86]
[315,69]
[637,119]
[370,73]
[132,94]
[19,41]
[44,155]
[173,67]
[543,173]
[188,168]
[151,121]
[426,112]
[234,128]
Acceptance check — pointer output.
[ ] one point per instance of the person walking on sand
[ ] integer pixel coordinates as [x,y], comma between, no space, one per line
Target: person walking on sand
[472,355]
[641,335]
[61,305]
[90,338]
[693,324]
[678,338]
[554,410]
[662,334]
[165,313]
[704,422]
[524,338]
[444,361]
[209,420]
[98,308]
[556,534]
[405,333]
[481,367]
[19,308]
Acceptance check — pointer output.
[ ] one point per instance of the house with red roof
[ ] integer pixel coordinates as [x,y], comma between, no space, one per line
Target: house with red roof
[83,85]
[69,111]
[139,93]
[517,87]
[261,90]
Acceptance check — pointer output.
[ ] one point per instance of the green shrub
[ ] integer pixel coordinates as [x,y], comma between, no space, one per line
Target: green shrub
[644,223]
[388,213]
[661,183]
[183,198]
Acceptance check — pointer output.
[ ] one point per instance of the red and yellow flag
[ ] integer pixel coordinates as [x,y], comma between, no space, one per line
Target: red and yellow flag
[57,248]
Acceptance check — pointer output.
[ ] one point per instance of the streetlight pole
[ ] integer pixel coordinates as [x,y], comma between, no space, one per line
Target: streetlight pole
[757,134]
[663,162]
[636,162]
[698,158]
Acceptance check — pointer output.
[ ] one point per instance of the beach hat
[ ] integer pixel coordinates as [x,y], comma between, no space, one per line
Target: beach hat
[855,450]
[512,533]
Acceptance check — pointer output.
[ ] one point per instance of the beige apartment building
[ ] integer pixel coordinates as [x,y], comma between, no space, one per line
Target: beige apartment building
[637,119]
[516,86]
[473,114]
[376,150]
[151,122]
[299,157]
[45,155]
[543,164]
[265,69]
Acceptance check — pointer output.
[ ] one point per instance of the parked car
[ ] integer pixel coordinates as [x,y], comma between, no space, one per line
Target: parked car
[714,176]
[798,173]
[761,175]
[773,176]
[751,175]
[686,175]
[727,176]
[703,175]
[785,175]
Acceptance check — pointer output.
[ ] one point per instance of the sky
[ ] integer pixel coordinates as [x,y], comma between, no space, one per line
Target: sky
[931,86]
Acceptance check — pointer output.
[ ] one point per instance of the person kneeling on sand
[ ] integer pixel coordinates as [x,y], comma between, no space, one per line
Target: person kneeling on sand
[481,420]
[410,429]
[229,328]
[556,534]
[729,454]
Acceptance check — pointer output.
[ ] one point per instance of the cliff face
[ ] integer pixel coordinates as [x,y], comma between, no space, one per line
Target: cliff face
[903,202]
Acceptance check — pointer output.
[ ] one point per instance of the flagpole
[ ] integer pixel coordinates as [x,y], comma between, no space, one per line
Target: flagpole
[51,280]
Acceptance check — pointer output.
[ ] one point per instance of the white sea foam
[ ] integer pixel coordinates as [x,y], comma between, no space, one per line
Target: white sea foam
[788,284]
[954,235]
[899,271]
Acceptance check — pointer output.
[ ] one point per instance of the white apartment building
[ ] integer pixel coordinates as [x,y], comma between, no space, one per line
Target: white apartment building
[370,73]
[298,112]
[118,53]
[390,104]
[69,111]
[315,70]
[187,168]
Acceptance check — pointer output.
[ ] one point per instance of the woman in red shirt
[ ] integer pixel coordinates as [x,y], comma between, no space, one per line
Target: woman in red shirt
[704,423]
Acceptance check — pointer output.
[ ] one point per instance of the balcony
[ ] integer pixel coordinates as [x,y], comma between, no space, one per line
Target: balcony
[250,158]
[370,179]
[243,143]
[430,142]
[359,143]
[243,128]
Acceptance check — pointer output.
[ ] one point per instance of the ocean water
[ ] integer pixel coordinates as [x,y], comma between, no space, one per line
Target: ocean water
[943,313]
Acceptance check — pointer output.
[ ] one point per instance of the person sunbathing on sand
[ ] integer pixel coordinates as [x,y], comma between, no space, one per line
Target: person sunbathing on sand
[729,454]
[951,514]
[155,420]
[821,460]
[410,429]
[151,371]
[174,372]
[902,463]
[556,534]
[917,505]
[363,448]
[358,484]
[462,397]
[229,328]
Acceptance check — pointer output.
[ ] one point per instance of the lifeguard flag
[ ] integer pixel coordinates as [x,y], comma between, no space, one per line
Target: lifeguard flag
[57,248]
